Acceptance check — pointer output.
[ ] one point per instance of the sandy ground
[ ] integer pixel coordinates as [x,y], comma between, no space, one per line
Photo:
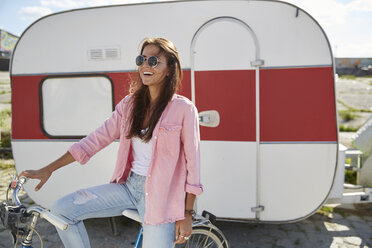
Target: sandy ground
[343,228]
[356,93]
[340,229]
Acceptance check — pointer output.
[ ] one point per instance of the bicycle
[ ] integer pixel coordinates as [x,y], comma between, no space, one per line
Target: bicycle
[17,217]
[204,233]
[22,222]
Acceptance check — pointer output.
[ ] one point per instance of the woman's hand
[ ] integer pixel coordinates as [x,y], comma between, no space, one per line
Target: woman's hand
[43,175]
[183,229]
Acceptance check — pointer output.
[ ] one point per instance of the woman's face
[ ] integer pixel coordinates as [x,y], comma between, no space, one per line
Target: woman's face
[153,76]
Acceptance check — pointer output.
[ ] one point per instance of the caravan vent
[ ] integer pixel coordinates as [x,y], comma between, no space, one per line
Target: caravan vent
[104,53]
[112,53]
[95,54]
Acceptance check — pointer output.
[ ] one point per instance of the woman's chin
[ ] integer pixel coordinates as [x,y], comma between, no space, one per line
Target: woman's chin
[150,83]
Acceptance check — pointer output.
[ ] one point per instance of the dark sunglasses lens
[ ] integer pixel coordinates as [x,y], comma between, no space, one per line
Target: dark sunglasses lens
[153,61]
[139,60]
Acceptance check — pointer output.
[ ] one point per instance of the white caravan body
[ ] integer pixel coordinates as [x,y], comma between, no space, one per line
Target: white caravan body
[265,67]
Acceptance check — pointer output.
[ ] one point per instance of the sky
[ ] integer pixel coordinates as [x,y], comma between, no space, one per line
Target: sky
[347,23]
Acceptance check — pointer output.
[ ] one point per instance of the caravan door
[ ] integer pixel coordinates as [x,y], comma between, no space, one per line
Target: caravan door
[224,81]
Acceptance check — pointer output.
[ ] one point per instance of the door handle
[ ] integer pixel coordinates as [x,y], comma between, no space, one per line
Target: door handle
[209,118]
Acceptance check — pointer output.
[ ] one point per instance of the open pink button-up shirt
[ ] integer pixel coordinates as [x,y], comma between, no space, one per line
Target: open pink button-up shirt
[175,165]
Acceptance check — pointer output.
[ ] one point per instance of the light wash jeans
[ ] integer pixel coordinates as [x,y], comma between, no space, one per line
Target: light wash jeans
[105,201]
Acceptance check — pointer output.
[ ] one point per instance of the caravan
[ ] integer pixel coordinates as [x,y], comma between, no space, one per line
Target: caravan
[261,74]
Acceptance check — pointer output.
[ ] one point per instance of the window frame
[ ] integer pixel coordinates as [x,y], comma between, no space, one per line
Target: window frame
[64,76]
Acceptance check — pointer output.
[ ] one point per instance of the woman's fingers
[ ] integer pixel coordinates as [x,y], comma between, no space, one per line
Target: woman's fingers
[39,186]
[28,173]
[42,175]
[181,239]
[177,230]
[23,174]
[181,235]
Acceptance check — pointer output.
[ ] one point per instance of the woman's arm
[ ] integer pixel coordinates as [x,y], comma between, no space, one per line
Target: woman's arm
[190,137]
[83,150]
[44,173]
[189,201]
[191,143]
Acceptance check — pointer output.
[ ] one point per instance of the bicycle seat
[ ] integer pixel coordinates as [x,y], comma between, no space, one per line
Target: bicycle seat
[132,214]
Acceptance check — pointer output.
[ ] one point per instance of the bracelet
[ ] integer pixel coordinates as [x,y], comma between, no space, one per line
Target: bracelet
[191,212]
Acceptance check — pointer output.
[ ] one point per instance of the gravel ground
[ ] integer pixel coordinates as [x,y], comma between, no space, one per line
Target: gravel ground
[356,93]
[343,228]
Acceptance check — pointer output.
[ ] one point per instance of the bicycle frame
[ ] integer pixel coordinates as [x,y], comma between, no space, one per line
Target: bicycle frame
[139,238]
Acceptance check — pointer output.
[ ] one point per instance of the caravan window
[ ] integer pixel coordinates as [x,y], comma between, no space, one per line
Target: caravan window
[74,106]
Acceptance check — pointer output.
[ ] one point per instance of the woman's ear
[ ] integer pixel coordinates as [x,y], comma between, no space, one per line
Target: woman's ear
[168,72]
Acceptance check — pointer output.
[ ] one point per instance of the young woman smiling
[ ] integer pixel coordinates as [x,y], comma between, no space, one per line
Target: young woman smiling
[158,166]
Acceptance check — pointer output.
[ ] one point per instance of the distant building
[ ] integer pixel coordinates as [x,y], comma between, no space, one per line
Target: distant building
[354,66]
[7,44]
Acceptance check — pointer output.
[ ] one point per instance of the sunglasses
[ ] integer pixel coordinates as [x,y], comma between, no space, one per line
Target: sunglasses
[152,61]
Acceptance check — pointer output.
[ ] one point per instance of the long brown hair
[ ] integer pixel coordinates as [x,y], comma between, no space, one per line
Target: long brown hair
[141,94]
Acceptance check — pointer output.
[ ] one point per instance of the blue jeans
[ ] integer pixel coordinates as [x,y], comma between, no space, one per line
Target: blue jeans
[105,201]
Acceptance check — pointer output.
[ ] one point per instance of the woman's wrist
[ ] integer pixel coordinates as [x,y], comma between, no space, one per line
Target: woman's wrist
[189,212]
[48,169]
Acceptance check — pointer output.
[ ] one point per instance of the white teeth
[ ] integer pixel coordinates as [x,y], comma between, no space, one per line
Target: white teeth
[147,73]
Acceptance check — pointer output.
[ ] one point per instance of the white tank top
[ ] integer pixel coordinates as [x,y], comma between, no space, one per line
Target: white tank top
[142,153]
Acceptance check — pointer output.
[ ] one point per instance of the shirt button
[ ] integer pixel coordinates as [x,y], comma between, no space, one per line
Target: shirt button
[156,137]
[147,193]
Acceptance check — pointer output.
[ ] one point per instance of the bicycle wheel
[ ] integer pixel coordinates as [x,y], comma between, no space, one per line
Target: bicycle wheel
[204,237]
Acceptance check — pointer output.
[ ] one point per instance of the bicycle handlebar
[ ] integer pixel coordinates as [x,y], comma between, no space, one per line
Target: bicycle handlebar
[56,221]
[16,186]
[53,219]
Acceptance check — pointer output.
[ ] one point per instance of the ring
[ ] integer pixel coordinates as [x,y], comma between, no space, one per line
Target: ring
[182,236]
[186,238]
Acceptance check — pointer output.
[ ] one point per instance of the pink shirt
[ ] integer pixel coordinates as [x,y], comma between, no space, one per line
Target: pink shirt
[175,165]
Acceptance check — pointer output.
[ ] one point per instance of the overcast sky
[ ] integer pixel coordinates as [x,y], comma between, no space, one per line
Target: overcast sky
[348,23]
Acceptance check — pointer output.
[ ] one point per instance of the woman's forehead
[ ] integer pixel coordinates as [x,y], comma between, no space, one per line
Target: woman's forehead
[152,50]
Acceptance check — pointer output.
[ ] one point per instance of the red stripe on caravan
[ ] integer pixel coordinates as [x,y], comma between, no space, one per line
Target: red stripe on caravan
[26,106]
[298,105]
[121,83]
[232,94]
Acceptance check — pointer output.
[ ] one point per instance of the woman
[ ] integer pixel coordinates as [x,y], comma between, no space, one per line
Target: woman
[158,158]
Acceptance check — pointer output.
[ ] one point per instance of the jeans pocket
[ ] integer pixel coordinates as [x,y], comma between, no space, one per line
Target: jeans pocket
[139,195]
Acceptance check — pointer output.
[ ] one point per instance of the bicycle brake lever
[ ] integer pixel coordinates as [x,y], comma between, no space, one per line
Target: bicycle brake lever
[12,180]
[14,184]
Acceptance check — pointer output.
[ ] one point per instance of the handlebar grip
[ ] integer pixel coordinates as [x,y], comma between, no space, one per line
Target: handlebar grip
[54,220]
[17,184]
[22,180]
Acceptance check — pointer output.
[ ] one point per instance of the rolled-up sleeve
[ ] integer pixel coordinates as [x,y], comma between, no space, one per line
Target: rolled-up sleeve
[191,143]
[83,150]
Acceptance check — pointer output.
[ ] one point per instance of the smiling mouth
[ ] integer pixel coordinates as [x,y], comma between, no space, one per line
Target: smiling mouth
[147,73]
